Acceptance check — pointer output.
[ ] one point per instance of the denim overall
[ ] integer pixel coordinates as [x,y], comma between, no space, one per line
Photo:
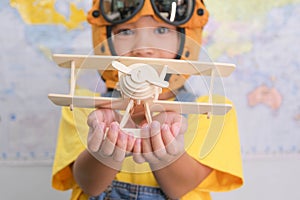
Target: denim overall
[126,191]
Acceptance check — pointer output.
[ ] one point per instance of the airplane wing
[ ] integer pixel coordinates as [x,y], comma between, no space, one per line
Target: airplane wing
[175,66]
[156,106]
[190,107]
[89,102]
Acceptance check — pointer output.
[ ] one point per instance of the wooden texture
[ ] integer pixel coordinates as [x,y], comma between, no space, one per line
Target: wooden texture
[155,106]
[102,63]
[140,82]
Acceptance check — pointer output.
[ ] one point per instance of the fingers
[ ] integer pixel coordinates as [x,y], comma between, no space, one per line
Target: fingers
[101,115]
[95,137]
[168,138]
[130,143]
[97,130]
[120,149]
[171,118]
[146,144]
[158,145]
[137,151]
[108,145]
[157,142]
[180,125]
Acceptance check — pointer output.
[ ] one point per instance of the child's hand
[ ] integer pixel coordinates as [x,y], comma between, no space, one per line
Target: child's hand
[106,141]
[162,141]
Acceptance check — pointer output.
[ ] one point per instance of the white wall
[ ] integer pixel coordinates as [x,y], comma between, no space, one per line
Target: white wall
[265,179]
[28,183]
[268,179]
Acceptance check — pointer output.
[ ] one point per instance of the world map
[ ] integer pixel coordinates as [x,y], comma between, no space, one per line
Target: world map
[260,37]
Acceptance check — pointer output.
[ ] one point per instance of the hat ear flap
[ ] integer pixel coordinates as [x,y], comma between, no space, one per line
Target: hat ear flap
[94,13]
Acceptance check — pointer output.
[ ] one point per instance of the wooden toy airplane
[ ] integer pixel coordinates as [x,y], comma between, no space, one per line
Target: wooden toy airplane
[140,83]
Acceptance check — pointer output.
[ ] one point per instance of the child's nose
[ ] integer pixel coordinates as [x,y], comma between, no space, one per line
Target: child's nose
[143,52]
[144,45]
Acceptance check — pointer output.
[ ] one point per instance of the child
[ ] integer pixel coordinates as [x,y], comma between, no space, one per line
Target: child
[167,162]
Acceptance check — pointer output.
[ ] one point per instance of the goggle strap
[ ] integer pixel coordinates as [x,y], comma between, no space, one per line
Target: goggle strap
[109,40]
[182,42]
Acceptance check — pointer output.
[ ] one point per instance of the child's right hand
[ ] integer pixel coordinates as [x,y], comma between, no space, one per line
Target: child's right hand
[106,141]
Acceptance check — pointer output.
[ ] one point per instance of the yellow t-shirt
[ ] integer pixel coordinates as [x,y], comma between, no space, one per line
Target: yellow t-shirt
[213,142]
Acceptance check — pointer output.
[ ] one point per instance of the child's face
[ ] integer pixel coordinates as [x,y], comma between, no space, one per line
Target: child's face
[146,38]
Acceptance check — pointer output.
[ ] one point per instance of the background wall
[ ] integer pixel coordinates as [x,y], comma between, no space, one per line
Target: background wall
[259,37]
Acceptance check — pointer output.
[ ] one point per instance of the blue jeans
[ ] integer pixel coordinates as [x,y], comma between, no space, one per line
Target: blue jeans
[126,191]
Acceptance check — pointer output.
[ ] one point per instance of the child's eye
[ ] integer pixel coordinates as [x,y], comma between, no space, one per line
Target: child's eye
[124,32]
[162,30]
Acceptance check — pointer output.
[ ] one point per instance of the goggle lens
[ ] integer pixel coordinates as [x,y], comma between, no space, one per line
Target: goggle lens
[175,12]
[119,11]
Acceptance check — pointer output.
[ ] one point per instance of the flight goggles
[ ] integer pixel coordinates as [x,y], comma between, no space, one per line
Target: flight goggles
[174,12]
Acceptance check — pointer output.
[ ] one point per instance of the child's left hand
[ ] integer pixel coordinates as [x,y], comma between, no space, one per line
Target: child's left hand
[162,141]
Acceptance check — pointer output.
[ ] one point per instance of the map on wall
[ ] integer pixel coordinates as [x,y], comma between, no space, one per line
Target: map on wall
[32,31]
[261,38]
